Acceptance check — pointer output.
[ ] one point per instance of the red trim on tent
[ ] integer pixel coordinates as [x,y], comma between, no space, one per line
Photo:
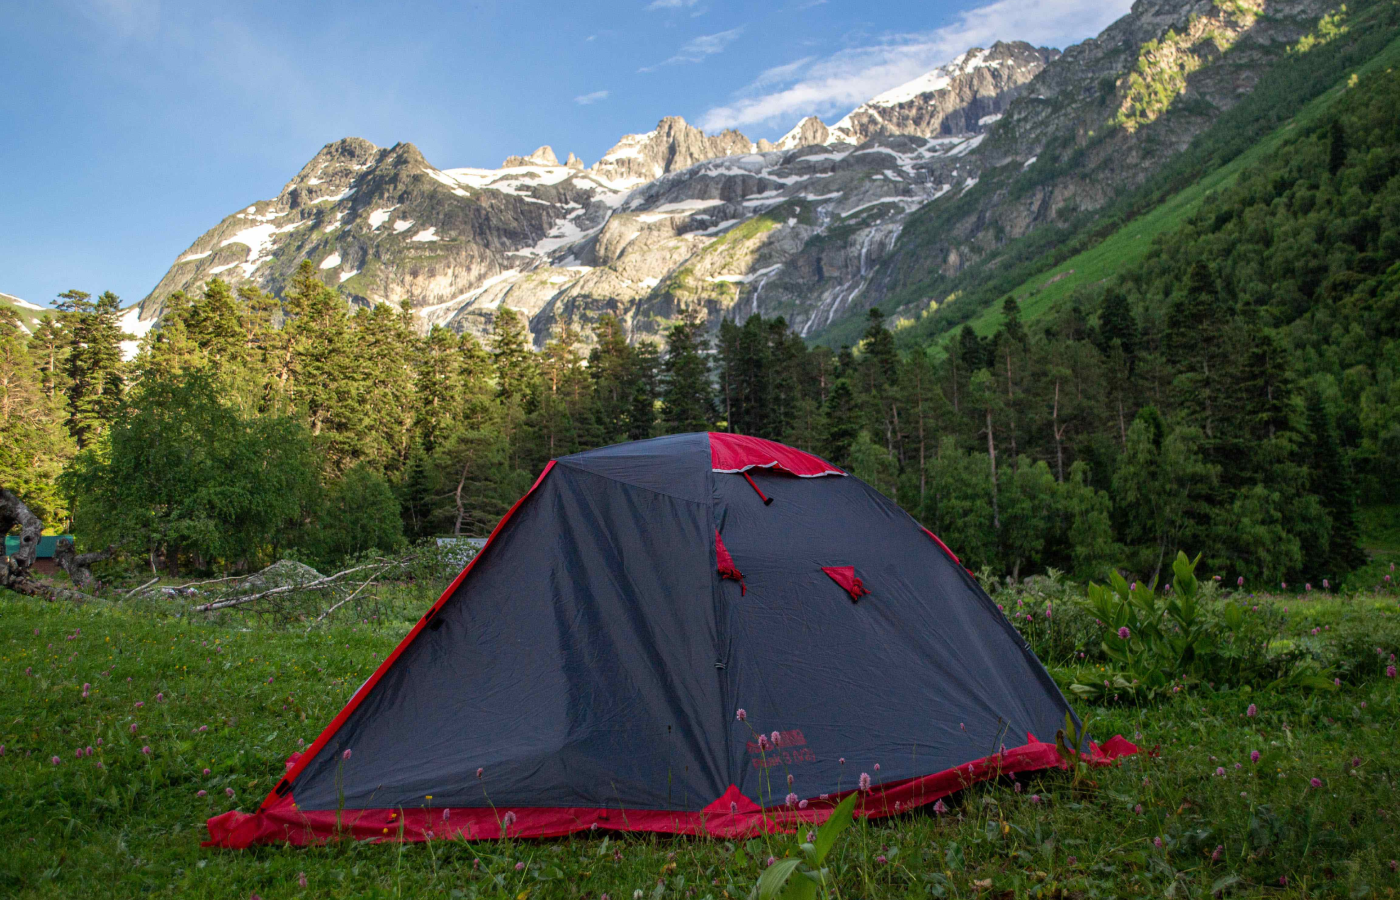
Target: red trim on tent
[299,761]
[731,815]
[725,563]
[939,541]
[849,581]
[739,452]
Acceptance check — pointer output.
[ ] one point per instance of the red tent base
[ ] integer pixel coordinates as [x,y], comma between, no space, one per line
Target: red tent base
[732,815]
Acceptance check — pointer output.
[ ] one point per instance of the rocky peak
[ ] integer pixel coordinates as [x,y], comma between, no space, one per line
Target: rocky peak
[810,130]
[544,156]
[962,97]
[673,145]
[573,162]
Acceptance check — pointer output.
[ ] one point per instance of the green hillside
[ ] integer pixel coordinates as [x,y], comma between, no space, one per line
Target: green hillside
[28,317]
[1128,245]
[1096,243]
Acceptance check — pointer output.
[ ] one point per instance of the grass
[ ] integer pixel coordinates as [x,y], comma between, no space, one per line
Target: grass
[227,698]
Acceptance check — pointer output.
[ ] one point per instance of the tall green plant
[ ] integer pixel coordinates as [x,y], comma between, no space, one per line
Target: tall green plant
[805,876]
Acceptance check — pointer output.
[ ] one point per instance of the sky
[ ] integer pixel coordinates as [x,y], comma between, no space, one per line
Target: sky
[130,127]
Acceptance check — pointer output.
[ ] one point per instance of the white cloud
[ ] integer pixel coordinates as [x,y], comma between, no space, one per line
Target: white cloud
[836,83]
[696,49]
[671,4]
[585,99]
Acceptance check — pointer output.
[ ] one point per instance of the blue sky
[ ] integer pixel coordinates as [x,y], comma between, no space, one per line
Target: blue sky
[129,127]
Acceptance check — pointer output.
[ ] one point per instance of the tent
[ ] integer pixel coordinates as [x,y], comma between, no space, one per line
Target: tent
[588,668]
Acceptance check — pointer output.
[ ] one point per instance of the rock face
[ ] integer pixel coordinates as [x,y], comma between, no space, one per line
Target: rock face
[962,97]
[674,145]
[816,227]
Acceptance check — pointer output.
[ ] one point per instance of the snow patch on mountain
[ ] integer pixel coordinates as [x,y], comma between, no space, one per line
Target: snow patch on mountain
[132,323]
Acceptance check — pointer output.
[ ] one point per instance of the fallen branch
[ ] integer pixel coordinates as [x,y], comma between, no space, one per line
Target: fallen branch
[142,587]
[193,584]
[317,585]
[356,593]
[42,587]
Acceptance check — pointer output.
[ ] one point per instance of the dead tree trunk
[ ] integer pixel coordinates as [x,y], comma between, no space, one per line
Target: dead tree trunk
[77,565]
[14,570]
[13,513]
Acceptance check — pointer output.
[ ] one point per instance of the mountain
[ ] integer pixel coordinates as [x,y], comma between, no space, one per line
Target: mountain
[665,222]
[962,97]
[898,204]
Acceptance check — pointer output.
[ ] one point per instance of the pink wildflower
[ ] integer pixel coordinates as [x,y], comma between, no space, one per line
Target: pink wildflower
[508,819]
[940,807]
[520,867]
[228,791]
[1325,585]
[842,760]
[1239,582]
[146,751]
[1035,799]
[881,859]
[864,780]
[1355,762]
[776,738]
[733,808]
[478,772]
[133,727]
[1389,671]
[201,793]
[802,804]
[741,715]
[791,799]
[346,754]
[1123,633]
[1251,711]
[160,698]
[1220,771]
[1254,756]
[877,767]
[1215,855]
[1315,782]
[206,771]
[1157,842]
[301,879]
[1138,809]
[789,781]
[55,760]
[140,703]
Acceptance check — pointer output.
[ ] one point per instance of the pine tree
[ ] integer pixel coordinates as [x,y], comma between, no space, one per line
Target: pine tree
[842,424]
[1337,147]
[1118,326]
[1331,480]
[516,369]
[687,394]
[95,372]
[34,445]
